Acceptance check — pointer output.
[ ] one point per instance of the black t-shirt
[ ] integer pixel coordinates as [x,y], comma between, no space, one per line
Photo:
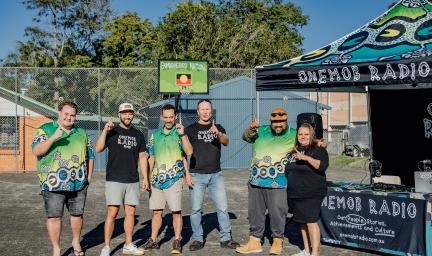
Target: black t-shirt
[304,181]
[124,146]
[206,148]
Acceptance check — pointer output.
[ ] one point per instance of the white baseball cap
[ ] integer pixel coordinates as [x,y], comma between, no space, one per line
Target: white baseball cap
[125,107]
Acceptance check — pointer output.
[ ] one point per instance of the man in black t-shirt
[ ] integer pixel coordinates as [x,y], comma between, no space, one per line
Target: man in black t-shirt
[126,145]
[206,138]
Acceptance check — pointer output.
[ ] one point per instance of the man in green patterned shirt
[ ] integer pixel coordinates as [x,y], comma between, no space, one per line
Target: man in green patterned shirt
[65,166]
[272,146]
[168,148]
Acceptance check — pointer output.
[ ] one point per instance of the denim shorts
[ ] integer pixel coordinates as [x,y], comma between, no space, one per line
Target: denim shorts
[56,200]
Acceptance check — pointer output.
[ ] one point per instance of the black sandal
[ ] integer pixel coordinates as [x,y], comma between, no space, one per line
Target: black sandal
[78,253]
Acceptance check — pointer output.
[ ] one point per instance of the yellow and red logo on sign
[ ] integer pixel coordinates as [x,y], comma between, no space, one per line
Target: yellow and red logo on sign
[184,79]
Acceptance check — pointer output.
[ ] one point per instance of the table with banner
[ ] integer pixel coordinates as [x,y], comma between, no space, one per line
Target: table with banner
[389,222]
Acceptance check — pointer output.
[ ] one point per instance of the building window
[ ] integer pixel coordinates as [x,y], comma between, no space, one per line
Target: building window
[8,132]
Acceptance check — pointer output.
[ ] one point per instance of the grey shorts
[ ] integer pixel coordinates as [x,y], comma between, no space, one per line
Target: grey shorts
[56,200]
[172,195]
[117,193]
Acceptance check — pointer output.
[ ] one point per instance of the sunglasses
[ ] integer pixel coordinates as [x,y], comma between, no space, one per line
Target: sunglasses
[278,114]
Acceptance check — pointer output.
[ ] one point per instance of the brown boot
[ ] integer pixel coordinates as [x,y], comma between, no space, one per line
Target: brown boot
[277,246]
[252,246]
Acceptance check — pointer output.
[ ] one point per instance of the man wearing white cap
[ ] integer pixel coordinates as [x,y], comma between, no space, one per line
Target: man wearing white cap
[126,148]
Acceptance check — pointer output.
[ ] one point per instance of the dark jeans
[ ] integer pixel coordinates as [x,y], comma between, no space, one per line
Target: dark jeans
[271,199]
[56,200]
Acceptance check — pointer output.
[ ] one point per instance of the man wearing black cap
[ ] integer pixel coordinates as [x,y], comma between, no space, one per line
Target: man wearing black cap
[126,145]
[272,145]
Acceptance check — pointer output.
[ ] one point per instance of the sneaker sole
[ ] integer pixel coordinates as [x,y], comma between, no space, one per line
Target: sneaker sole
[132,253]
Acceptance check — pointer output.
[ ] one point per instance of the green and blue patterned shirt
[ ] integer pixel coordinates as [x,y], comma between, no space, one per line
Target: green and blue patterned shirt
[64,166]
[270,156]
[168,153]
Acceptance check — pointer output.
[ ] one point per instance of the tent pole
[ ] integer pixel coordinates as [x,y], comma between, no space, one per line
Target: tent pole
[257,106]
[369,126]
[369,121]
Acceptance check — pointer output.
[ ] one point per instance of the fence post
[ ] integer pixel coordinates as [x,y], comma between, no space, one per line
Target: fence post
[258,105]
[99,111]
[252,90]
[16,121]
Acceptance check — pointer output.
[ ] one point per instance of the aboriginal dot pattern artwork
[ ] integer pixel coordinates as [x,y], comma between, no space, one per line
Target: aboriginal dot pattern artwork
[64,166]
[270,156]
[403,32]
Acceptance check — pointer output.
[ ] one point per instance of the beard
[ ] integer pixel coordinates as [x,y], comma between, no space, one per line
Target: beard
[126,122]
[278,129]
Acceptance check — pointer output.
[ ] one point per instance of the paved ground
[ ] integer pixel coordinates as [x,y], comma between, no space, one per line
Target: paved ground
[23,232]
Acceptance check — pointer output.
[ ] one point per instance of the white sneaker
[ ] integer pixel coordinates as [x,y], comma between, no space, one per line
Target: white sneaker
[132,249]
[105,251]
[302,253]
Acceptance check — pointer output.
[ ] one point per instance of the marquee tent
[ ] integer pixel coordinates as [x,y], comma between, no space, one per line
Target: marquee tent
[391,59]
[393,51]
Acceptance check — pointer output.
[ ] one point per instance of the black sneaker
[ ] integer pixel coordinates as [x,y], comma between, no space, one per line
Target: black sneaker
[196,245]
[150,245]
[176,247]
[230,244]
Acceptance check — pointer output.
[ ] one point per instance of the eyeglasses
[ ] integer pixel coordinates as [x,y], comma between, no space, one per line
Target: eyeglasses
[278,114]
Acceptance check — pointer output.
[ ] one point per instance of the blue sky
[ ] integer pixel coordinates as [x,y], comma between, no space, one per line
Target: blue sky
[329,19]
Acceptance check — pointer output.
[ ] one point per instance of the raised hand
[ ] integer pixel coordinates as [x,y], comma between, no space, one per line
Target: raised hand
[254,125]
[322,143]
[109,126]
[180,129]
[58,133]
[213,128]
[300,156]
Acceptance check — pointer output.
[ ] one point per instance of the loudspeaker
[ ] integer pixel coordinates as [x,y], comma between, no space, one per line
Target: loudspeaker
[313,119]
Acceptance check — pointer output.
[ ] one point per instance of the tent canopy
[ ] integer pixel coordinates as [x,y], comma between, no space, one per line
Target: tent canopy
[394,51]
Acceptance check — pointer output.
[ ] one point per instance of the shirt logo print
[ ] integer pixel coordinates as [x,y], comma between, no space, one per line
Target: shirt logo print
[127,141]
[207,136]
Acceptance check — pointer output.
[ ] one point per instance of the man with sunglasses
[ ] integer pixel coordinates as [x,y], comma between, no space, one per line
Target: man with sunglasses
[206,138]
[272,145]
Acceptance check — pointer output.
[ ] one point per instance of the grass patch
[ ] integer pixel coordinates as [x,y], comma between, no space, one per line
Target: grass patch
[343,161]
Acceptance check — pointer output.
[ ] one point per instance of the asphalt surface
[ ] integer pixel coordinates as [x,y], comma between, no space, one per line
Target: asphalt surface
[23,231]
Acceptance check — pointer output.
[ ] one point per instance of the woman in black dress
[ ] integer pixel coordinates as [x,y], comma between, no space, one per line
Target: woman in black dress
[307,186]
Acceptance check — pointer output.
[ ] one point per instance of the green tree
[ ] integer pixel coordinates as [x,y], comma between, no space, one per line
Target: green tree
[187,32]
[232,33]
[66,34]
[129,41]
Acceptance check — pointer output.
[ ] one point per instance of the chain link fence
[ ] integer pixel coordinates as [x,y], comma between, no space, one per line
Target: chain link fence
[335,141]
[30,97]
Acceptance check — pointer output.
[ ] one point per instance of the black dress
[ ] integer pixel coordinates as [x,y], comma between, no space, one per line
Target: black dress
[307,186]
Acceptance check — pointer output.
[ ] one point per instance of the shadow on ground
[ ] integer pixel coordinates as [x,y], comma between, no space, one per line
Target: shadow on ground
[95,237]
